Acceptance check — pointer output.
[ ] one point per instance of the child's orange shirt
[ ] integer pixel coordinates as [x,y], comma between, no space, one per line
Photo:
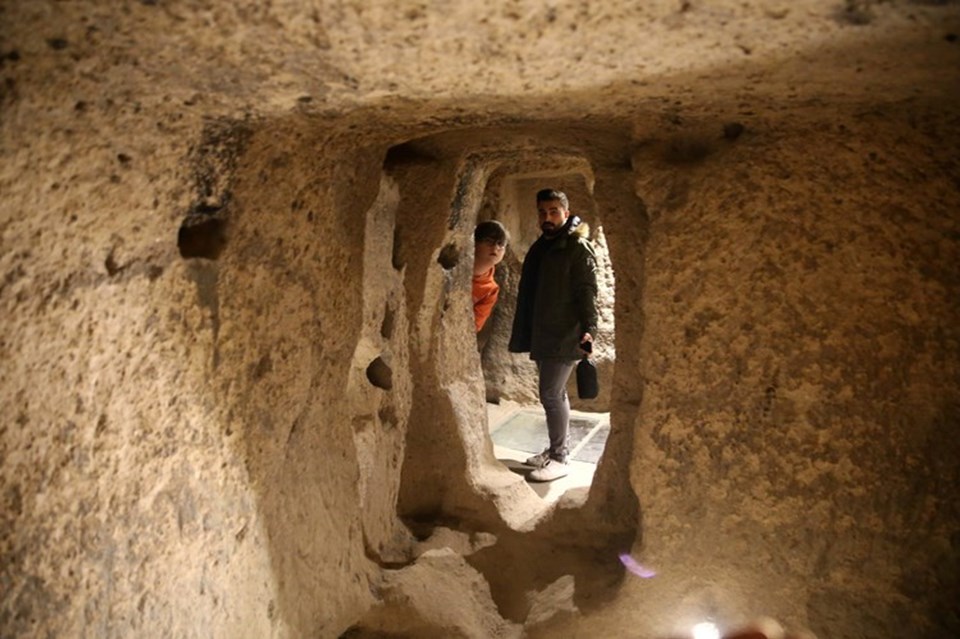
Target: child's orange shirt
[485,293]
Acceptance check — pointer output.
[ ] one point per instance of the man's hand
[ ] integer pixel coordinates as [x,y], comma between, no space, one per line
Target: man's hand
[586,343]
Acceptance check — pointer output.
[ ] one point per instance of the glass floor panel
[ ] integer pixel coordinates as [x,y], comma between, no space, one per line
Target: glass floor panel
[527,431]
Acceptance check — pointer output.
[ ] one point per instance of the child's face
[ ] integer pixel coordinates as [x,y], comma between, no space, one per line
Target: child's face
[488,253]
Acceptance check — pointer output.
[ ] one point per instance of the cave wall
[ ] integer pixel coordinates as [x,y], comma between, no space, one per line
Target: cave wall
[795,448]
[187,479]
[125,507]
[211,418]
[292,350]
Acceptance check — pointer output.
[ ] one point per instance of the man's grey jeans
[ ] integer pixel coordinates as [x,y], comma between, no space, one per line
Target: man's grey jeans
[554,374]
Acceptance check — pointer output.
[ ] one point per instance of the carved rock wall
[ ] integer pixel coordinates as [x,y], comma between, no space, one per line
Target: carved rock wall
[237,346]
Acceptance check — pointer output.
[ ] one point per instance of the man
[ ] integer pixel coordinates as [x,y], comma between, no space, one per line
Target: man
[556,318]
[490,244]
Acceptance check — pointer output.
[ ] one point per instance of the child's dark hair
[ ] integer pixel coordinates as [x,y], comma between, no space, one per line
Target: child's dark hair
[491,230]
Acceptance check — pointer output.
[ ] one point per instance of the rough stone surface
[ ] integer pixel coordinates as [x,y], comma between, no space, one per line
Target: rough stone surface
[239,380]
[438,596]
[554,604]
[460,542]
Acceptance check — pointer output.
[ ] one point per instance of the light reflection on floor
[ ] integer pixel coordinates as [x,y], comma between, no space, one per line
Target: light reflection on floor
[520,431]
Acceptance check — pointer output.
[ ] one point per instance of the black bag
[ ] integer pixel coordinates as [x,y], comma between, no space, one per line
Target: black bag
[587,385]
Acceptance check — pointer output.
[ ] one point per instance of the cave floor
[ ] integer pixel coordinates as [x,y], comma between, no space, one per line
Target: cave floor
[519,431]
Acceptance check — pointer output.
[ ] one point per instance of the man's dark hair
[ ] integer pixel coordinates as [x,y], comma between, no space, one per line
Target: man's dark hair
[491,230]
[552,194]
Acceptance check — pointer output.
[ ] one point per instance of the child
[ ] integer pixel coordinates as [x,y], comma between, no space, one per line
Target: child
[490,244]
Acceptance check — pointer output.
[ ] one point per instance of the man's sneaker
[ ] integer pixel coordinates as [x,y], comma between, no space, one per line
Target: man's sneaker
[538,460]
[551,470]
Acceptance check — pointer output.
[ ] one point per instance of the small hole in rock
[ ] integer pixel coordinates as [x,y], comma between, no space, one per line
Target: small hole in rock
[395,259]
[386,328]
[379,374]
[732,130]
[449,256]
[201,236]
[111,265]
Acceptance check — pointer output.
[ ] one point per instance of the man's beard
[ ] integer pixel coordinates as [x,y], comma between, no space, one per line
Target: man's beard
[549,228]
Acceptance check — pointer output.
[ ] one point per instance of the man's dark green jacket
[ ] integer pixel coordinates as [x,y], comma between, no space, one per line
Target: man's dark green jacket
[557,295]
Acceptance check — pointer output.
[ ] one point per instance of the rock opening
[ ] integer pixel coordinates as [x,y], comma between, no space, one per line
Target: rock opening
[449,256]
[201,236]
[380,375]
